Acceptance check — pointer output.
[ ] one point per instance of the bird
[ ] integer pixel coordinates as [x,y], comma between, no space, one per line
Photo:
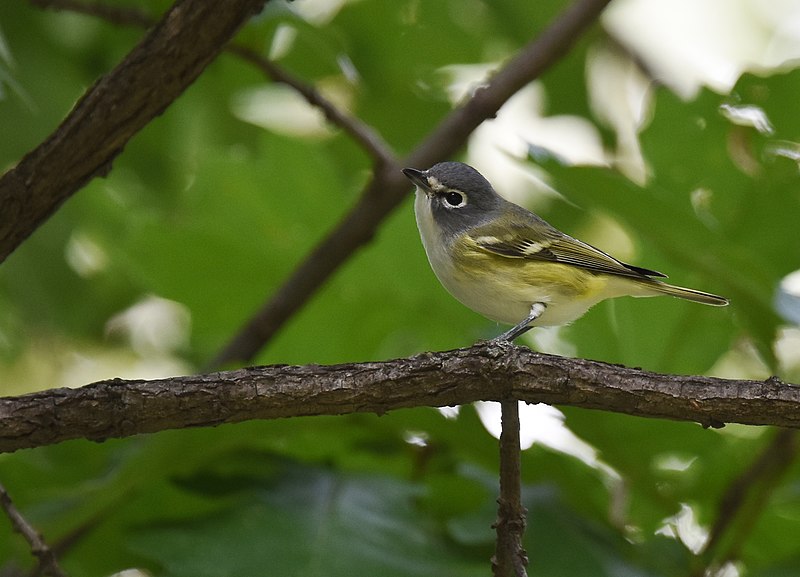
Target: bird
[509,265]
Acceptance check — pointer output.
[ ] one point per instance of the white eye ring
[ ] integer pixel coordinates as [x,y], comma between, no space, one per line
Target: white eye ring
[454,199]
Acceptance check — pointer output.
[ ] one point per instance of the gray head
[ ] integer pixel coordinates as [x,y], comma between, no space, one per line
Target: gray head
[459,197]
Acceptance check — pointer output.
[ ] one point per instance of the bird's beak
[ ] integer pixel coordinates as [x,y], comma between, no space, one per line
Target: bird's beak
[418,177]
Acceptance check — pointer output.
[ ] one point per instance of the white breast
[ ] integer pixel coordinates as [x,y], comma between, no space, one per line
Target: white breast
[434,245]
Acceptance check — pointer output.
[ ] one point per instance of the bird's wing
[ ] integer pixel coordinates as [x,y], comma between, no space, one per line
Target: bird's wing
[540,241]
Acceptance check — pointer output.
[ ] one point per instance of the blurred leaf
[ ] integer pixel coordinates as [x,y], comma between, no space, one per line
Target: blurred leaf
[308,523]
[213,212]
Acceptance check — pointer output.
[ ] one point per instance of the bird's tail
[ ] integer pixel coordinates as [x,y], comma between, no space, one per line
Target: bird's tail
[686,293]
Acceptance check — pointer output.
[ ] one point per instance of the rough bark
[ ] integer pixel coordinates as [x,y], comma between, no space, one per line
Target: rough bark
[487,371]
[510,558]
[169,58]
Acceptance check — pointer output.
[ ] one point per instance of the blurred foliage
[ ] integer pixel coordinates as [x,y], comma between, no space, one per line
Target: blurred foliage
[211,213]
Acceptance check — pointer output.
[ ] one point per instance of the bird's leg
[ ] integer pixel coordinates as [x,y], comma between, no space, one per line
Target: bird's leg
[524,326]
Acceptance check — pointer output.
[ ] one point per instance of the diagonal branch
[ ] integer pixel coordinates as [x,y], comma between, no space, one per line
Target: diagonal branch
[363,134]
[745,498]
[169,58]
[487,371]
[388,188]
[360,132]
[48,563]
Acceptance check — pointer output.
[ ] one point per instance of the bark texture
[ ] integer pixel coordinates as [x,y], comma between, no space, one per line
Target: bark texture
[487,371]
[169,58]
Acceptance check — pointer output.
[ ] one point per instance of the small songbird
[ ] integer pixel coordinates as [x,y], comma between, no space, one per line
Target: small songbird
[511,266]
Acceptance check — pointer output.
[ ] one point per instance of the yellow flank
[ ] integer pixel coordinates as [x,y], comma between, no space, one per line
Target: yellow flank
[567,280]
[507,292]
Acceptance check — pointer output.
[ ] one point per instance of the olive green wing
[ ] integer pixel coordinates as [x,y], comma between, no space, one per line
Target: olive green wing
[538,240]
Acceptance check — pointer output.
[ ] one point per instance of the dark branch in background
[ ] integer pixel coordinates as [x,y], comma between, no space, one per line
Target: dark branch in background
[340,244]
[169,58]
[510,558]
[48,564]
[388,187]
[745,499]
[364,135]
[487,371]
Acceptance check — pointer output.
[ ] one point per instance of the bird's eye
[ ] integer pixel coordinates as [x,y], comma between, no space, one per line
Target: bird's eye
[454,199]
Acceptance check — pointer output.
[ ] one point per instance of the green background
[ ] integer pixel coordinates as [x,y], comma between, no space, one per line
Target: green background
[213,213]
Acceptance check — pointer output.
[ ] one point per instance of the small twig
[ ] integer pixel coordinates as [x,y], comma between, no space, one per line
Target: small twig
[363,134]
[745,497]
[48,563]
[510,558]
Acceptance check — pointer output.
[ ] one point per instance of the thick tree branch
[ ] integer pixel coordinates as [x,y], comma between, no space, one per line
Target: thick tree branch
[170,57]
[487,371]
[388,188]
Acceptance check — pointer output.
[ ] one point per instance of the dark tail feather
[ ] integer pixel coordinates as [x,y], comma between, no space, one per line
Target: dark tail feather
[689,294]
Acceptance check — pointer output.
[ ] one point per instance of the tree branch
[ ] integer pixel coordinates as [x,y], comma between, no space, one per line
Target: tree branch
[487,371]
[363,134]
[170,57]
[380,197]
[510,558]
[388,187]
[745,498]
[48,563]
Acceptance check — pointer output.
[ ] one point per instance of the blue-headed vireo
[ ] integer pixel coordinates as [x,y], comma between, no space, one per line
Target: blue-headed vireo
[509,265]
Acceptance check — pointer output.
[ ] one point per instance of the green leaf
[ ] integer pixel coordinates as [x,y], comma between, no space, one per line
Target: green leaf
[308,522]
